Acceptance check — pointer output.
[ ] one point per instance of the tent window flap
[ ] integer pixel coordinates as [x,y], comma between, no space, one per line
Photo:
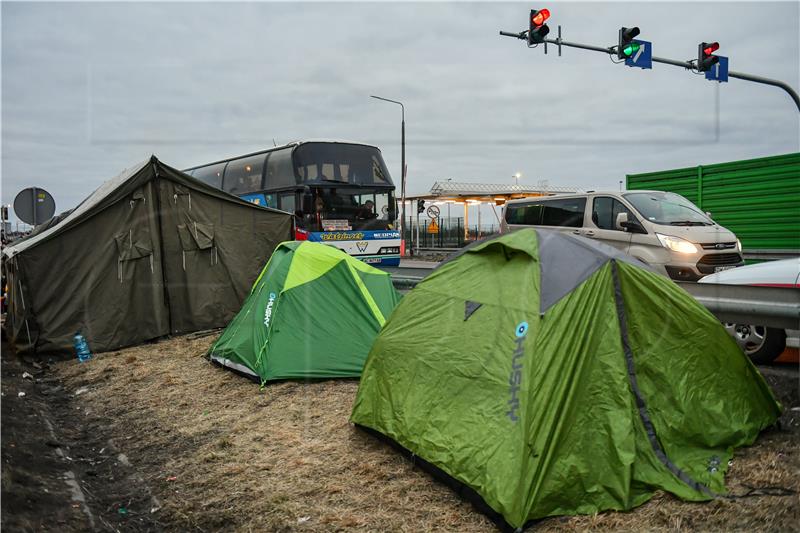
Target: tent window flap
[196,236]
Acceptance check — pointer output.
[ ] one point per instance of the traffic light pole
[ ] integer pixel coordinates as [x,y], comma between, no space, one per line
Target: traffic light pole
[610,50]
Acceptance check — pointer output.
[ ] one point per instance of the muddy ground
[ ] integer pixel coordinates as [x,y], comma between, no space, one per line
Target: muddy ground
[156,438]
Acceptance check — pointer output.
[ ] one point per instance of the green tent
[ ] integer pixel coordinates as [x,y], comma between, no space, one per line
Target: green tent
[546,374]
[312,313]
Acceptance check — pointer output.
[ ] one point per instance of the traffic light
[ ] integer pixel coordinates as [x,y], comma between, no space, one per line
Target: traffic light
[5,213]
[705,57]
[626,47]
[538,29]
[420,206]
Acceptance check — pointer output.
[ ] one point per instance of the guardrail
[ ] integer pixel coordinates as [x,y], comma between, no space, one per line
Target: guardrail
[770,254]
[405,282]
[776,307]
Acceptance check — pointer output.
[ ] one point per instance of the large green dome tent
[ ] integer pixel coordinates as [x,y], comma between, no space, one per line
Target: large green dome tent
[313,312]
[545,374]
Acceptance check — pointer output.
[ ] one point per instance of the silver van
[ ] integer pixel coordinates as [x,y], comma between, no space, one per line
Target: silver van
[662,229]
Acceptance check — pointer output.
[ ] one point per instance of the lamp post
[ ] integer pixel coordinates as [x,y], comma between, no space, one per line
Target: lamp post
[403,169]
[516,177]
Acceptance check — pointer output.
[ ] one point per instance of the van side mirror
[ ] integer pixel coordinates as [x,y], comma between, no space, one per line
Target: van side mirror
[631,226]
[622,218]
[634,227]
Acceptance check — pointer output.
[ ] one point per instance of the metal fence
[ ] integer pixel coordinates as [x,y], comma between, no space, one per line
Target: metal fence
[757,199]
[450,232]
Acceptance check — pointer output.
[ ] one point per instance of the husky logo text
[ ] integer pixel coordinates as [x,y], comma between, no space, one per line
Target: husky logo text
[268,310]
[515,378]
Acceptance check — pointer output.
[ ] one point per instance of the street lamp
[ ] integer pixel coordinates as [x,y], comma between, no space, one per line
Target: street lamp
[516,177]
[403,168]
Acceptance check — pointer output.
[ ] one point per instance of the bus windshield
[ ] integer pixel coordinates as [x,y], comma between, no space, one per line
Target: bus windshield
[353,208]
[317,162]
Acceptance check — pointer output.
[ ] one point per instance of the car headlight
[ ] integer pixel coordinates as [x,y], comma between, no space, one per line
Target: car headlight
[738,245]
[676,244]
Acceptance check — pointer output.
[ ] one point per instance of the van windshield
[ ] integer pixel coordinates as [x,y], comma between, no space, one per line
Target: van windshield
[668,208]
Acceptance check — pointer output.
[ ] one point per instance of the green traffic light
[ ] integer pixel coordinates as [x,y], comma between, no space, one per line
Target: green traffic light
[631,49]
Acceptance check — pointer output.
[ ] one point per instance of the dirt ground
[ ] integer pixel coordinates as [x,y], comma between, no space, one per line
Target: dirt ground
[157,438]
[61,468]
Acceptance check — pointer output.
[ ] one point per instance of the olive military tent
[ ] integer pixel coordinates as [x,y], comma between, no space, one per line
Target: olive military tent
[312,313]
[546,374]
[151,252]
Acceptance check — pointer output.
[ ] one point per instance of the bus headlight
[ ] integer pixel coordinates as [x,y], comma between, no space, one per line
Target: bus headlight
[676,244]
[738,245]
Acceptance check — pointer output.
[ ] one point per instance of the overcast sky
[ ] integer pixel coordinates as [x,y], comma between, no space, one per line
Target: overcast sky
[89,89]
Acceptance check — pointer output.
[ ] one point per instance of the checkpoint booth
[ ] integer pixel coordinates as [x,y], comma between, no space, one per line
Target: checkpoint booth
[447,198]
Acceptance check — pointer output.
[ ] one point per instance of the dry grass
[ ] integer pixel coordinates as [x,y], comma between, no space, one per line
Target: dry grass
[286,458]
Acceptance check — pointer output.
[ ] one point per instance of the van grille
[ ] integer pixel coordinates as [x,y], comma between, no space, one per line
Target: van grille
[709,262]
[718,246]
[721,259]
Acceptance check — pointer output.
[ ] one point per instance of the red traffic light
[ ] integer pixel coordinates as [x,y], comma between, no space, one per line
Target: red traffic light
[710,48]
[705,57]
[540,16]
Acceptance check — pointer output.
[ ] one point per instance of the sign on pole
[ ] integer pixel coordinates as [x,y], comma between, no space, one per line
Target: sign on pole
[643,58]
[433,227]
[718,72]
[433,211]
[34,206]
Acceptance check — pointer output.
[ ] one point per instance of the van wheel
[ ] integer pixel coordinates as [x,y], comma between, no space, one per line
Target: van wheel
[760,343]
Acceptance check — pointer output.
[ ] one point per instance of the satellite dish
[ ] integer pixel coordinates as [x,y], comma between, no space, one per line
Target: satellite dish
[34,206]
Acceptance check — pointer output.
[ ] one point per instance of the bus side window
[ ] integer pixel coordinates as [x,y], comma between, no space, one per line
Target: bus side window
[243,176]
[280,171]
[287,202]
[308,203]
[211,174]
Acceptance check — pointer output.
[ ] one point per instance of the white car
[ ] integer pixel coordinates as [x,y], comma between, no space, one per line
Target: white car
[763,344]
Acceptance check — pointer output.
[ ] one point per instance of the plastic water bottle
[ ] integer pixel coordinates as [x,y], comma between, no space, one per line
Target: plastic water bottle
[81,347]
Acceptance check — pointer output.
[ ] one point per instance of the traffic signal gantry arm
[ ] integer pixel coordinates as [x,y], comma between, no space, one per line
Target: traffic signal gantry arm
[612,50]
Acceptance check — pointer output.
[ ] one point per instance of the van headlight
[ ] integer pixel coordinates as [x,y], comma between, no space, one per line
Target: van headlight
[676,244]
[738,245]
